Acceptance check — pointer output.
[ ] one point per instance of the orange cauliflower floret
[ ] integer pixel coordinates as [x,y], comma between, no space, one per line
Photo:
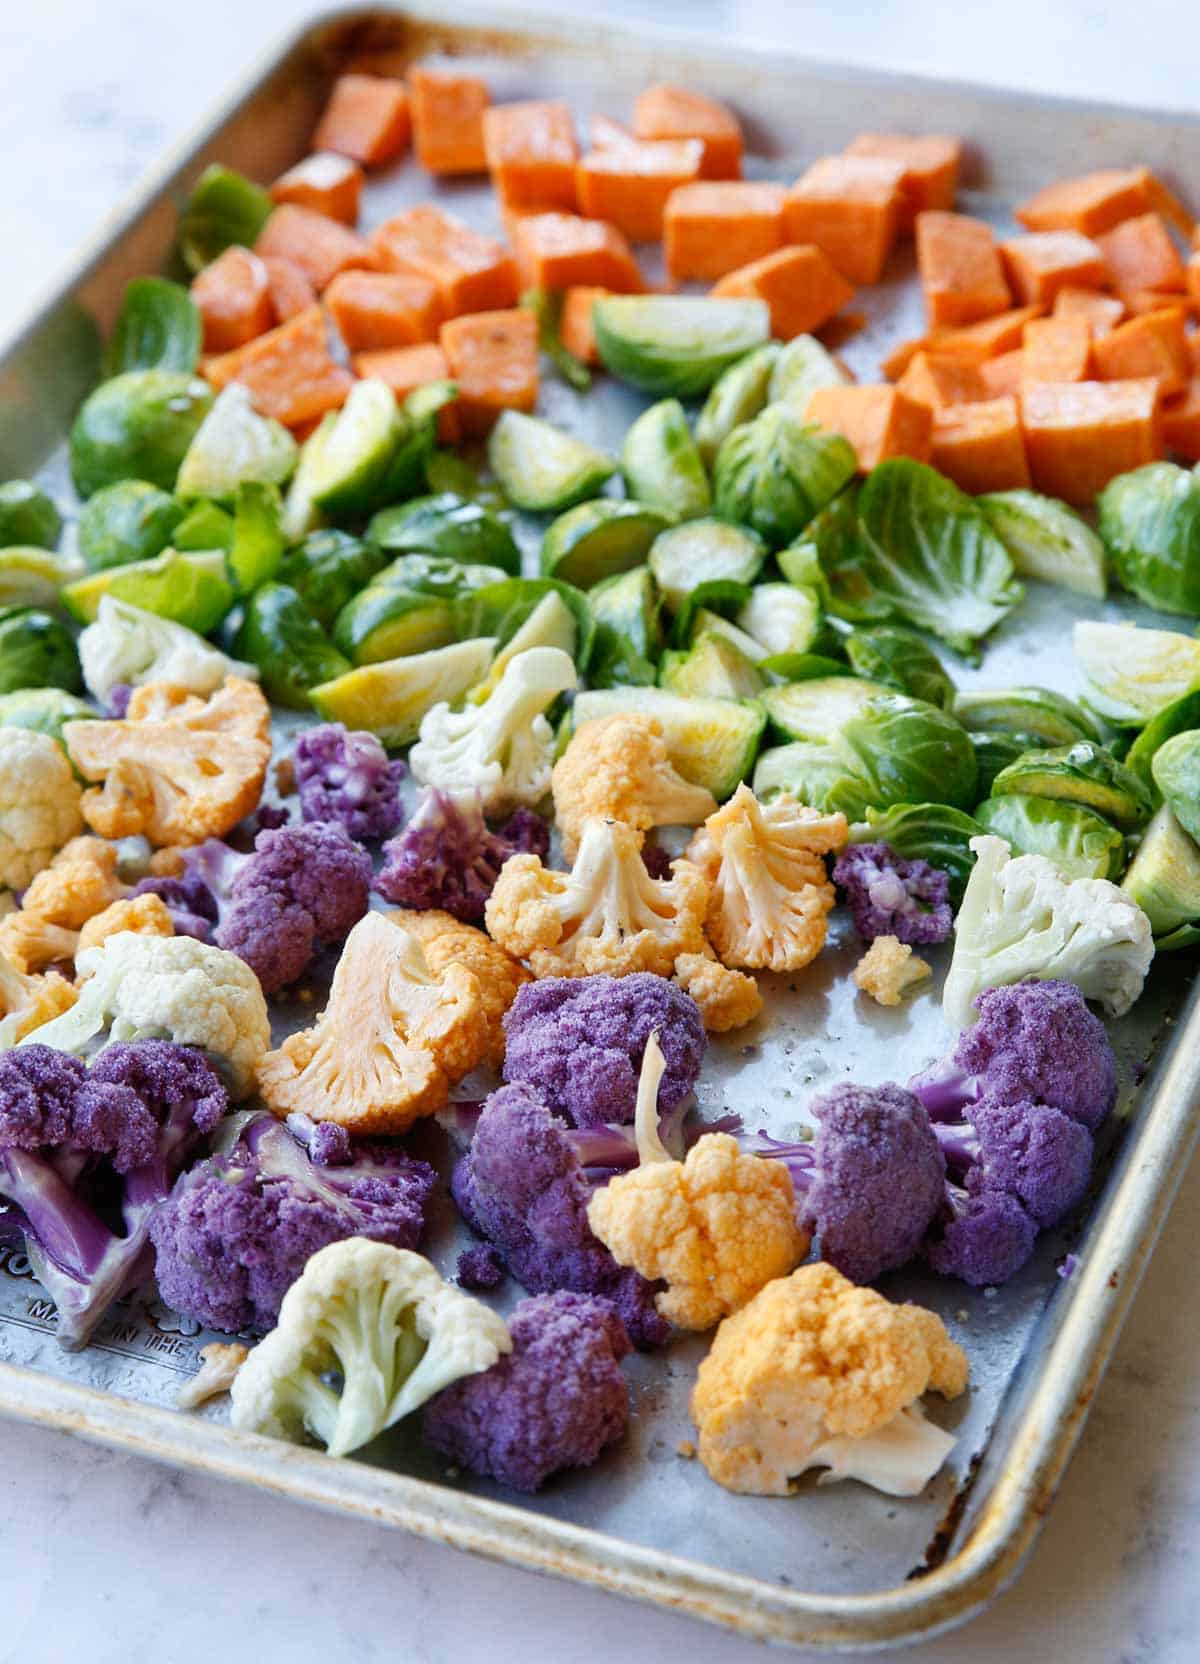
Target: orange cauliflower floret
[888,969]
[770,890]
[143,915]
[617,767]
[26,1002]
[727,999]
[818,1372]
[606,915]
[390,1043]
[178,769]
[80,882]
[447,941]
[32,942]
[715,1227]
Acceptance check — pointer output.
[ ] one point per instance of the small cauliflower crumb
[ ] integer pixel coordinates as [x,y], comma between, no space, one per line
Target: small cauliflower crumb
[727,999]
[889,969]
[219,1363]
[686,1449]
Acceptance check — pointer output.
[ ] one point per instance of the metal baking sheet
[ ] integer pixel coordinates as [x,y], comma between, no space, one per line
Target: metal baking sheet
[838,1566]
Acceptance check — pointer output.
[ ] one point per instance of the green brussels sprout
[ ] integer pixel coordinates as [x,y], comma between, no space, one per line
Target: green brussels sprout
[529,612]
[901,660]
[34,577]
[803,366]
[204,526]
[1079,842]
[234,445]
[1164,879]
[45,710]
[1131,673]
[628,638]
[37,651]
[192,589]
[158,328]
[542,469]
[1047,540]
[775,473]
[995,751]
[712,668]
[782,619]
[292,652]
[930,832]
[224,208]
[723,596]
[328,569]
[711,742]
[676,345]
[137,426]
[127,521]
[256,548]
[1178,718]
[411,606]
[448,473]
[389,699]
[1080,773]
[702,554]
[1150,523]
[706,622]
[1049,718]
[661,465]
[546,306]
[446,525]
[738,395]
[1175,767]
[597,540]
[28,516]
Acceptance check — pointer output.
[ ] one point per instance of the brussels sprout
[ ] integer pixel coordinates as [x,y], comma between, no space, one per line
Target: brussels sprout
[701,553]
[1081,843]
[802,667]
[705,622]
[204,526]
[1045,539]
[447,473]
[45,710]
[127,521]
[158,328]
[1048,718]
[235,445]
[328,569]
[628,639]
[599,539]
[1176,770]
[224,208]
[775,473]
[546,306]
[446,525]
[804,365]
[1178,718]
[817,708]
[811,772]
[551,623]
[292,652]
[717,595]
[711,742]
[995,751]
[901,660]
[661,465]
[930,832]
[1080,773]
[782,618]
[411,606]
[137,426]
[1150,523]
[1164,879]
[508,610]
[542,469]
[28,516]
[37,651]
[738,395]
[33,577]
[191,589]
[389,699]
[353,457]
[300,513]
[1132,674]
[256,550]
[712,668]
[676,345]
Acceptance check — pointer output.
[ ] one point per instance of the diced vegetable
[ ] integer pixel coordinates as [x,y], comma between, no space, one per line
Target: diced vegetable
[28,516]
[879,423]
[1084,773]
[292,652]
[597,539]
[531,153]
[738,395]
[493,358]
[662,466]
[377,310]
[980,446]
[669,112]
[774,474]
[558,251]
[157,328]
[542,469]
[473,272]
[1081,843]
[712,228]
[1047,540]
[801,285]
[137,426]
[290,372]
[191,589]
[446,525]
[676,345]
[234,444]
[1131,673]
[389,699]
[1040,263]
[930,161]
[366,118]
[233,298]
[1140,255]
[1080,436]
[629,184]
[324,181]
[711,742]
[447,120]
[702,552]
[960,269]
[224,208]
[849,206]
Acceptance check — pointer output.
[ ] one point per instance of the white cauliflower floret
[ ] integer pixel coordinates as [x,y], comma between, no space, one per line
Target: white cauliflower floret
[503,748]
[1023,918]
[219,1364]
[39,804]
[380,1319]
[169,988]
[127,646]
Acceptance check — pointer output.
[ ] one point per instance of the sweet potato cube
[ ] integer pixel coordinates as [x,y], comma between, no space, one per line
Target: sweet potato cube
[1154,344]
[374,310]
[447,118]
[473,273]
[939,379]
[850,206]
[801,286]
[930,160]
[628,183]
[987,338]
[1181,423]
[366,118]
[607,134]
[1057,349]
[1193,278]
[291,292]
[1041,263]
[894,363]
[879,421]
[493,356]
[289,372]
[1096,202]
[318,245]
[557,251]
[667,112]
[1141,255]
[1101,311]
[1079,435]
[575,328]
[960,269]
[407,368]
[710,229]
[531,154]
[1004,374]
[233,298]
[325,182]
[980,446]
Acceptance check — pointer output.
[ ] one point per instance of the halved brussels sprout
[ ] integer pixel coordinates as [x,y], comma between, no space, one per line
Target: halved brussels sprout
[901,660]
[411,606]
[1176,770]
[1049,718]
[224,208]
[1178,718]
[328,569]
[775,473]
[542,469]
[1164,879]
[782,618]
[817,708]
[738,395]
[931,832]
[158,328]
[28,516]
[712,668]
[1150,523]
[300,513]
[1080,773]
[705,622]
[1131,673]
[711,742]
[130,520]
[447,525]
[811,772]
[1079,842]
[551,623]
[628,639]
[995,751]
[137,426]
[256,549]
[599,539]
[235,445]
[701,553]
[352,456]
[1047,540]
[204,526]
[676,344]
[45,710]
[389,699]
[193,589]
[661,465]
[33,577]
[292,652]
[537,612]
[803,366]
[37,651]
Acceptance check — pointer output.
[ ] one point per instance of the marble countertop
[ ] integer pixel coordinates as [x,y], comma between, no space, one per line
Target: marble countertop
[116,1561]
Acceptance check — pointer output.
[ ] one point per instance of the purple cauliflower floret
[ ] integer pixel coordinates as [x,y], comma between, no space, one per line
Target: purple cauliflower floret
[448,857]
[889,896]
[83,1148]
[188,899]
[988,1236]
[522,1187]
[480,1268]
[553,1402]
[238,1229]
[578,1042]
[345,775]
[304,887]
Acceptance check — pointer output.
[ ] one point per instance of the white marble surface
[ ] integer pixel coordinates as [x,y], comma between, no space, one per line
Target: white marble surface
[110,1559]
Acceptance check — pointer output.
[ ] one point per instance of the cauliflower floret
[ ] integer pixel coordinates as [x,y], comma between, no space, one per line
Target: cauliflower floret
[380,1319]
[127,646]
[447,941]
[1024,918]
[80,882]
[727,999]
[390,1043]
[817,1372]
[169,988]
[606,915]
[32,942]
[714,1227]
[618,767]
[770,891]
[889,969]
[26,1002]
[39,804]
[144,915]
[503,748]
[219,1364]
[178,769]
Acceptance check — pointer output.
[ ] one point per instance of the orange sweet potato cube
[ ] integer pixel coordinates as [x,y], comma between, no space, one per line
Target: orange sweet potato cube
[1154,344]
[1004,374]
[894,363]
[712,228]
[557,251]
[1057,349]
[980,446]
[1141,255]
[930,160]
[374,310]
[407,368]
[473,273]
[960,269]
[366,119]
[325,182]
[1081,434]
[668,112]
[1096,202]
[447,117]
[318,245]
[1181,423]
[233,298]
[939,379]
[575,327]
[801,286]
[493,356]
[879,421]
[628,183]
[531,154]
[987,338]
[289,372]
[1101,311]
[291,292]
[850,206]
[1041,263]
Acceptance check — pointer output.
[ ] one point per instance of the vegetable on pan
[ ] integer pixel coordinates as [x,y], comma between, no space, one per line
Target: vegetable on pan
[327,569]
[1080,842]
[542,469]
[126,646]
[1175,767]
[662,466]
[1130,673]
[127,521]
[1083,773]
[597,539]
[448,857]
[1164,880]
[899,659]
[676,346]
[158,328]
[192,589]
[1047,540]
[703,552]
[775,474]
[346,777]
[232,445]
[931,832]
[1150,524]
[711,667]
[289,649]
[710,742]
[391,698]
[137,426]
[28,516]
[447,525]
[1041,715]
[628,639]
[738,395]
[224,208]
[36,651]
